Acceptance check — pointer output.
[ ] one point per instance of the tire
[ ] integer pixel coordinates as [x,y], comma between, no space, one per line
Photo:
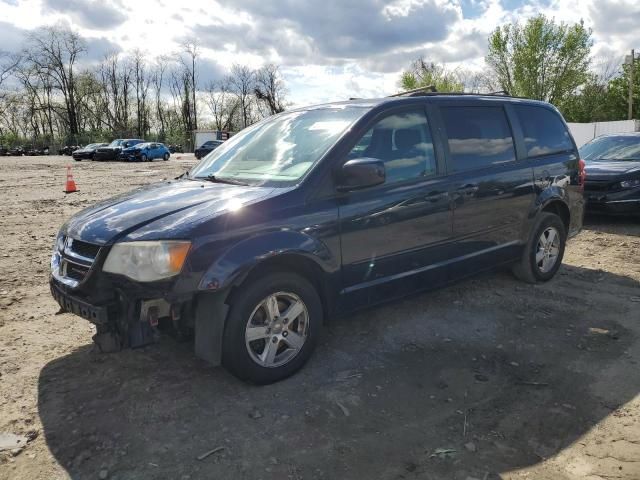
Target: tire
[165,157]
[533,270]
[143,158]
[248,312]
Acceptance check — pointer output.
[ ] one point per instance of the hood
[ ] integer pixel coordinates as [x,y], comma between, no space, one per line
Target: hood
[131,149]
[610,169]
[155,207]
[108,149]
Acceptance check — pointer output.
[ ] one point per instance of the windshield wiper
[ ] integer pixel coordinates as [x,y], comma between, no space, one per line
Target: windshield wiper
[230,181]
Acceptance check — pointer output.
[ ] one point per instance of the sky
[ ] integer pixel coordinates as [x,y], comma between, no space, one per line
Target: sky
[327,49]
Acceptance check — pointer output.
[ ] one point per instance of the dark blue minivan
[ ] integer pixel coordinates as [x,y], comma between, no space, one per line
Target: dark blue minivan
[319,211]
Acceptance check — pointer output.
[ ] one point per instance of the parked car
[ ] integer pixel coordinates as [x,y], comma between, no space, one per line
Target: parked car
[87,152]
[263,240]
[68,149]
[613,173]
[16,151]
[34,151]
[206,148]
[176,148]
[113,150]
[145,152]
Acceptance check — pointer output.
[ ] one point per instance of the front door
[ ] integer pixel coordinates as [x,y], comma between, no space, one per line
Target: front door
[392,234]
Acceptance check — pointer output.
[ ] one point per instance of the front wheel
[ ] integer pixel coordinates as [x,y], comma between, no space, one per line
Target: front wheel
[543,253]
[272,328]
[143,158]
[165,157]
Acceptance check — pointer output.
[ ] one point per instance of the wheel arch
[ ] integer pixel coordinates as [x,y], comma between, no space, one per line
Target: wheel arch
[558,207]
[293,262]
[289,252]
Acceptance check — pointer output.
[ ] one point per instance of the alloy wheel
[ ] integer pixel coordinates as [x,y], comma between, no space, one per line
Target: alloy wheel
[277,329]
[547,249]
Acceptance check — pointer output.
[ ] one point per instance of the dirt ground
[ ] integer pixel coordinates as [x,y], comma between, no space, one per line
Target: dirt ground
[487,379]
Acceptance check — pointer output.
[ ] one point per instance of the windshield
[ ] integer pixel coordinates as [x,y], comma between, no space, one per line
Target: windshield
[115,143]
[279,150]
[612,148]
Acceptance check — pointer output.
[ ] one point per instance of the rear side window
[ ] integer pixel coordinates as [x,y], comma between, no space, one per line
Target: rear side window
[544,132]
[478,137]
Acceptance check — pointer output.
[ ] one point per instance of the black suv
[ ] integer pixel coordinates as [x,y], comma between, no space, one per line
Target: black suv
[206,148]
[114,149]
[319,211]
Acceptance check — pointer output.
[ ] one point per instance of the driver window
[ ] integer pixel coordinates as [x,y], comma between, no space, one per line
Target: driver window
[403,142]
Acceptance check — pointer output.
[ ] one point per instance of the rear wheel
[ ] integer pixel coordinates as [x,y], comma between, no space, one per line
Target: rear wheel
[272,328]
[543,253]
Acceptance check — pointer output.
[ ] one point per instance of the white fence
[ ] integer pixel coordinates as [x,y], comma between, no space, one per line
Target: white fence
[584,132]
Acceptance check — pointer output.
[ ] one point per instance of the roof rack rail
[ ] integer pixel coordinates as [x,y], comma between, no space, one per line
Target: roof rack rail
[416,92]
[431,91]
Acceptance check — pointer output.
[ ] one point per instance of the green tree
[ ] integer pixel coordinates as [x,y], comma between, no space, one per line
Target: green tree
[425,74]
[540,59]
[618,93]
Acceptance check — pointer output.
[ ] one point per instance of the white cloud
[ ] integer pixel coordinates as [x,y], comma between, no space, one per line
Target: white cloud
[328,50]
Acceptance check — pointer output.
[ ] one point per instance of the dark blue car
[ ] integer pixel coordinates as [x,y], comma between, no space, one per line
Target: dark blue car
[613,174]
[145,152]
[319,211]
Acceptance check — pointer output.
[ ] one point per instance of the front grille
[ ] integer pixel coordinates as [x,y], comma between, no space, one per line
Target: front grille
[77,272]
[87,250]
[76,259]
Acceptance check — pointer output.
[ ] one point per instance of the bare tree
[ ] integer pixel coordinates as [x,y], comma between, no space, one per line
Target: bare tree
[142,82]
[55,50]
[241,83]
[222,105]
[158,79]
[8,63]
[269,88]
[191,49]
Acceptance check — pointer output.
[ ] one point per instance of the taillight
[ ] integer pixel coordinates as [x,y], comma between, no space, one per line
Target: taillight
[582,174]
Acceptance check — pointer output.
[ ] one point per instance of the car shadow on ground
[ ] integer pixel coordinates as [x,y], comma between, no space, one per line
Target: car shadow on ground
[620,225]
[477,379]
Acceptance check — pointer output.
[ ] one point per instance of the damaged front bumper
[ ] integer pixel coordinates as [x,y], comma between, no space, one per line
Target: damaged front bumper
[123,320]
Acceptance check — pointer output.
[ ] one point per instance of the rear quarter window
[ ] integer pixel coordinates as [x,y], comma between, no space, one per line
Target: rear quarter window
[543,130]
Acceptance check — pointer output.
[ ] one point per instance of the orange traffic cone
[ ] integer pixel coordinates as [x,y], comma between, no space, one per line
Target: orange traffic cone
[70,187]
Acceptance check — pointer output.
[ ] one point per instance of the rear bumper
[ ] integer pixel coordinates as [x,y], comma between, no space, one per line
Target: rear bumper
[107,155]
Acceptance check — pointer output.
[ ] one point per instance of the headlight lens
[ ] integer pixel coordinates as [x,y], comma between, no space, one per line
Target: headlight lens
[147,261]
[59,246]
[630,183]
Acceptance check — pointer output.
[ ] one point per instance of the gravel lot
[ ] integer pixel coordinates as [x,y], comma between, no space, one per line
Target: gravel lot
[490,378]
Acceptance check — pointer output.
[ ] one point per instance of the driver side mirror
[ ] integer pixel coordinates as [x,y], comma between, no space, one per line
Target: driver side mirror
[360,173]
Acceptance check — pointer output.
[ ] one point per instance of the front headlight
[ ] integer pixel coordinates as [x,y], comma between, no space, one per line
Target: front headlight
[630,183]
[147,261]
